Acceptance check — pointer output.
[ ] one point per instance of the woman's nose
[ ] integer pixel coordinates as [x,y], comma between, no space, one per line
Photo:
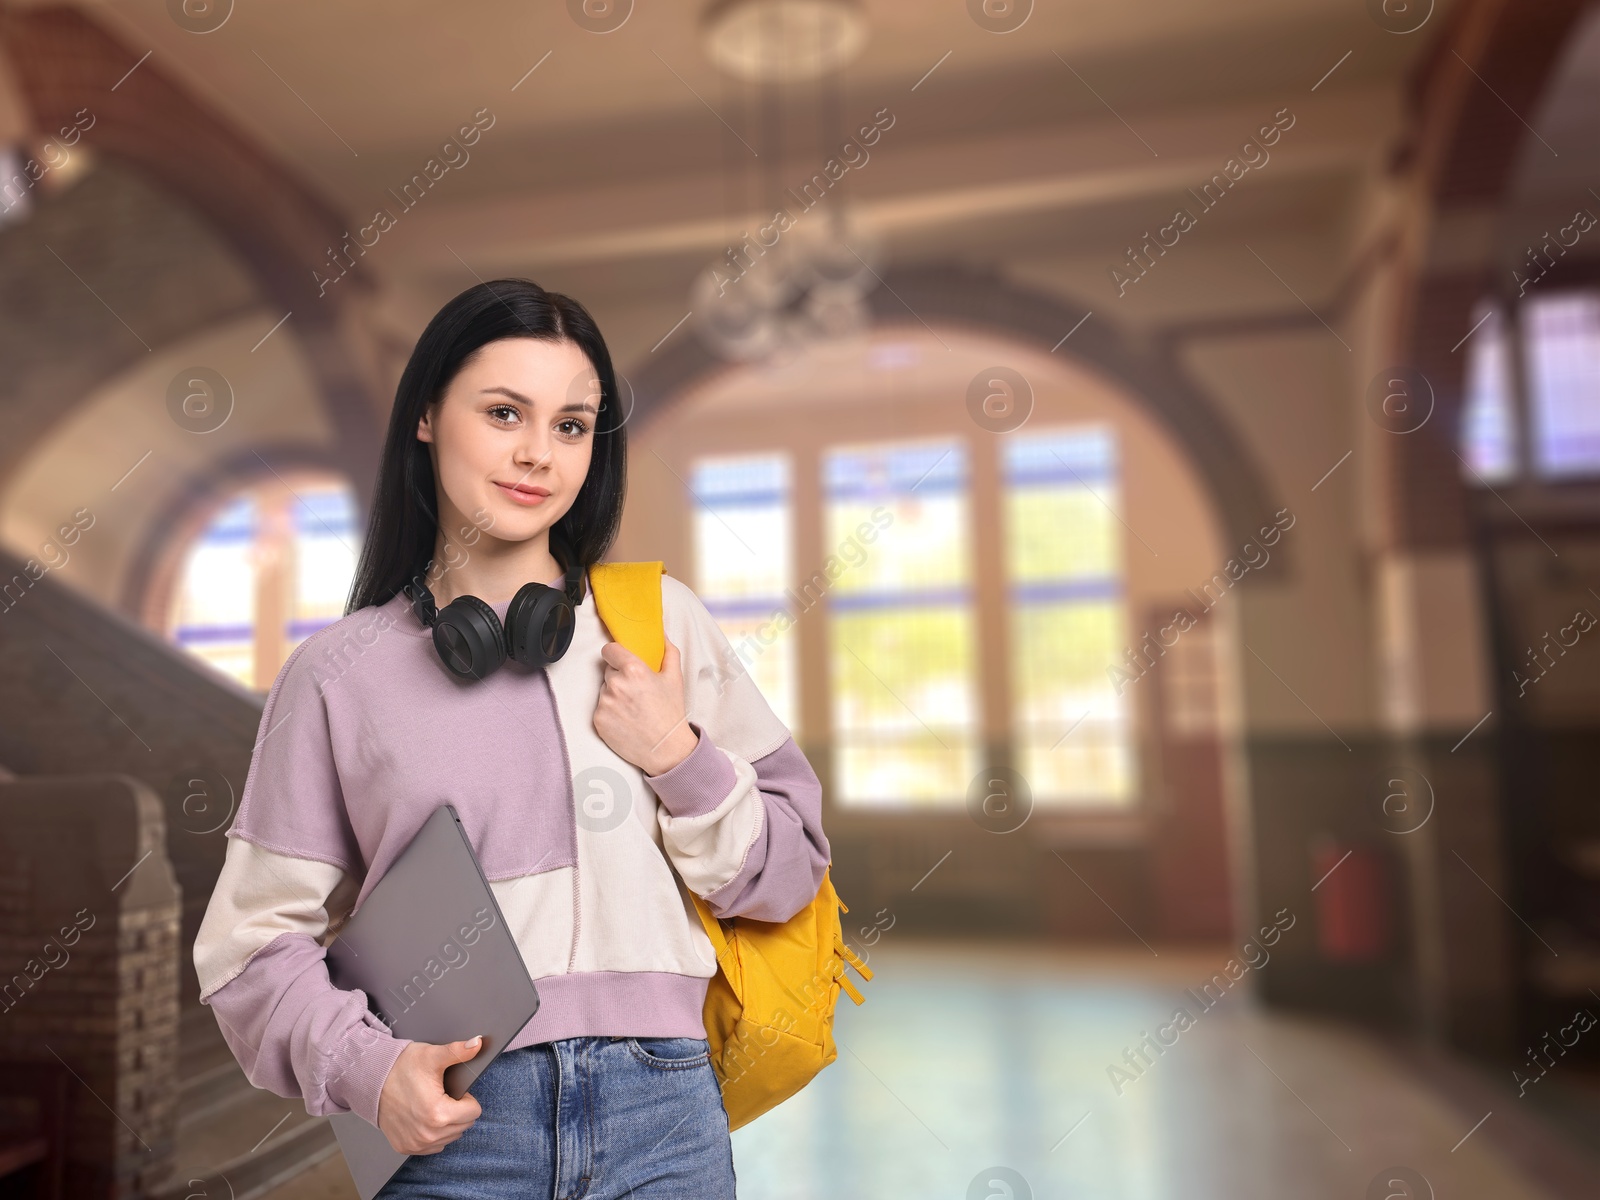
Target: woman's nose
[534,451]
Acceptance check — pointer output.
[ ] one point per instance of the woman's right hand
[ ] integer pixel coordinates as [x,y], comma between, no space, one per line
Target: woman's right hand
[414,1111]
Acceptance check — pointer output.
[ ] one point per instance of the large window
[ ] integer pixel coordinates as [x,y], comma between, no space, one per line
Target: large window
[1556,428]
[904,619]
[272,567]
[1562,335]
[900,647]
[1064,568]
[744,565]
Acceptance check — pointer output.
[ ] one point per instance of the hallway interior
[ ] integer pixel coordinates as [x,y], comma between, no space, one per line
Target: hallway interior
[972,1055]
[1147,455]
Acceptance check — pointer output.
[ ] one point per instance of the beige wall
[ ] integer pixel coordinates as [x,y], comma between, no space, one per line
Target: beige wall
[120,454]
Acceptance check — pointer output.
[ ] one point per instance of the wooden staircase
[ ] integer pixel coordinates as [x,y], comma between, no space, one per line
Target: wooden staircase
[233,1139]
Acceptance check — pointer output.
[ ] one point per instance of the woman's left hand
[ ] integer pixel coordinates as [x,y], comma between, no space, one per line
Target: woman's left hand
[640,712]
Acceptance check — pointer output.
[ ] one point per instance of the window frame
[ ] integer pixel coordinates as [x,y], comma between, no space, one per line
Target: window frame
[1116,821]
[277,494]
[1528,473]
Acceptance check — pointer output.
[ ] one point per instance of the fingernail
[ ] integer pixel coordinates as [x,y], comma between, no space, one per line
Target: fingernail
[476,1040]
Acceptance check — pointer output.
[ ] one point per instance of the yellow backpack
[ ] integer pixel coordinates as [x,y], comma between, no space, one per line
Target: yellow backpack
[769,1008]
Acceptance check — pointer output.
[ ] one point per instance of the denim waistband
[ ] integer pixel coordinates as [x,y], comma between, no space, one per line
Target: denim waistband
[597,1116]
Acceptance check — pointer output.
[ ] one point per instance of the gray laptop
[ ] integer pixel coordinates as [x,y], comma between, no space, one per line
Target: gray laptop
[431,950]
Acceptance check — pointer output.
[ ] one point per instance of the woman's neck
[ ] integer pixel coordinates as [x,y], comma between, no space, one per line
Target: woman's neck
[493,577]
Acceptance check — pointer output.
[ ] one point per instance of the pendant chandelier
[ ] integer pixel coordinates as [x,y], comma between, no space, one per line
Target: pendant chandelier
[802,275]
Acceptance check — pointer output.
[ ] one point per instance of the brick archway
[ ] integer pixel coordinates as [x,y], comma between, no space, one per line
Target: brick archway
[1493,62]
[1485,75]
[987,302]
[64,62]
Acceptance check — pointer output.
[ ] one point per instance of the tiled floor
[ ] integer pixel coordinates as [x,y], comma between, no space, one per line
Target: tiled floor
[964,1060]
[972,1070]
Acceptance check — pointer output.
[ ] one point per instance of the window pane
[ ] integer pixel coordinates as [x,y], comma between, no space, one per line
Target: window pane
[1064,566]
[1070,726]
[904,712]
[302,544]
[326,546]
[742,566]
[922,490]
[1488,430]
[216,601]
[1562,335]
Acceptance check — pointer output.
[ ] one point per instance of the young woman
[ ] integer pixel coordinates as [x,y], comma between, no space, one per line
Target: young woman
[594,790]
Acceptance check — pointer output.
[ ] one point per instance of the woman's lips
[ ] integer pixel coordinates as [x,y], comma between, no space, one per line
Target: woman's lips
[528,498]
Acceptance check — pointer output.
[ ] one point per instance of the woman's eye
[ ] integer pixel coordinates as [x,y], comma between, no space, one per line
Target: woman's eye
[503,408]
[575,427]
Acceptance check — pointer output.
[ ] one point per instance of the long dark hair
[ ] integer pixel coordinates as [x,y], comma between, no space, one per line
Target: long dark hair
[403,526]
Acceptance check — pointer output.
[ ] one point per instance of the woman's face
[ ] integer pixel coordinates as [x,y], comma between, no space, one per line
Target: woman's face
[512,436]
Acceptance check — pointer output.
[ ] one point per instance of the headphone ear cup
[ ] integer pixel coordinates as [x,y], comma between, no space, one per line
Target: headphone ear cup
[539,624]
[469,638]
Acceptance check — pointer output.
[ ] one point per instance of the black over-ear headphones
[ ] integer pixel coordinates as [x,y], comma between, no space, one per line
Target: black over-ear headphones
[471,640]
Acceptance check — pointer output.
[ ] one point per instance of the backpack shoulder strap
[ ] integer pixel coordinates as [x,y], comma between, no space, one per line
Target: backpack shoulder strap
[627,595]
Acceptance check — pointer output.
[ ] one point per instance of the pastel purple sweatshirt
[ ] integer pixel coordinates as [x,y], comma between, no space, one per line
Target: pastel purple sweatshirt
[365,733]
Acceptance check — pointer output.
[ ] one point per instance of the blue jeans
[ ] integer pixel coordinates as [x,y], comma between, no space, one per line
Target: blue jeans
[586,1118]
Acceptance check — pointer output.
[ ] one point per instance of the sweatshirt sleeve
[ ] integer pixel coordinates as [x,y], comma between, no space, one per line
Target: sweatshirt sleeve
[263,971]
[713,797]
[260,954]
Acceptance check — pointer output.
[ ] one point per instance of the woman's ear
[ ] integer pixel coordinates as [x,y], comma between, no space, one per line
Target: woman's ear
[425,426]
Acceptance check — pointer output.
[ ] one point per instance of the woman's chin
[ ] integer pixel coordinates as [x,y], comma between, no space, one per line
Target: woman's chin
[515,521]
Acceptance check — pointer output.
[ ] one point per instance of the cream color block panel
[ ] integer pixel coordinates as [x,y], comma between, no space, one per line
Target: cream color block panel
[259,895]
[631,914]
[538,910]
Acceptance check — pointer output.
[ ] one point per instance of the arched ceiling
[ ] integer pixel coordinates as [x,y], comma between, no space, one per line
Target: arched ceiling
[97,279]
[120,454]
[68,64]
[1550,187]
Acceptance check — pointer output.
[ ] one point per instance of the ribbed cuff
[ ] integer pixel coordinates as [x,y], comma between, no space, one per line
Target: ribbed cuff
[699,783]
[358,1083]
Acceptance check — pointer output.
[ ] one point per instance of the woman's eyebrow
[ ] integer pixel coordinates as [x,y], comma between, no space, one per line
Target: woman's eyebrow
[508,393]
[572,406]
